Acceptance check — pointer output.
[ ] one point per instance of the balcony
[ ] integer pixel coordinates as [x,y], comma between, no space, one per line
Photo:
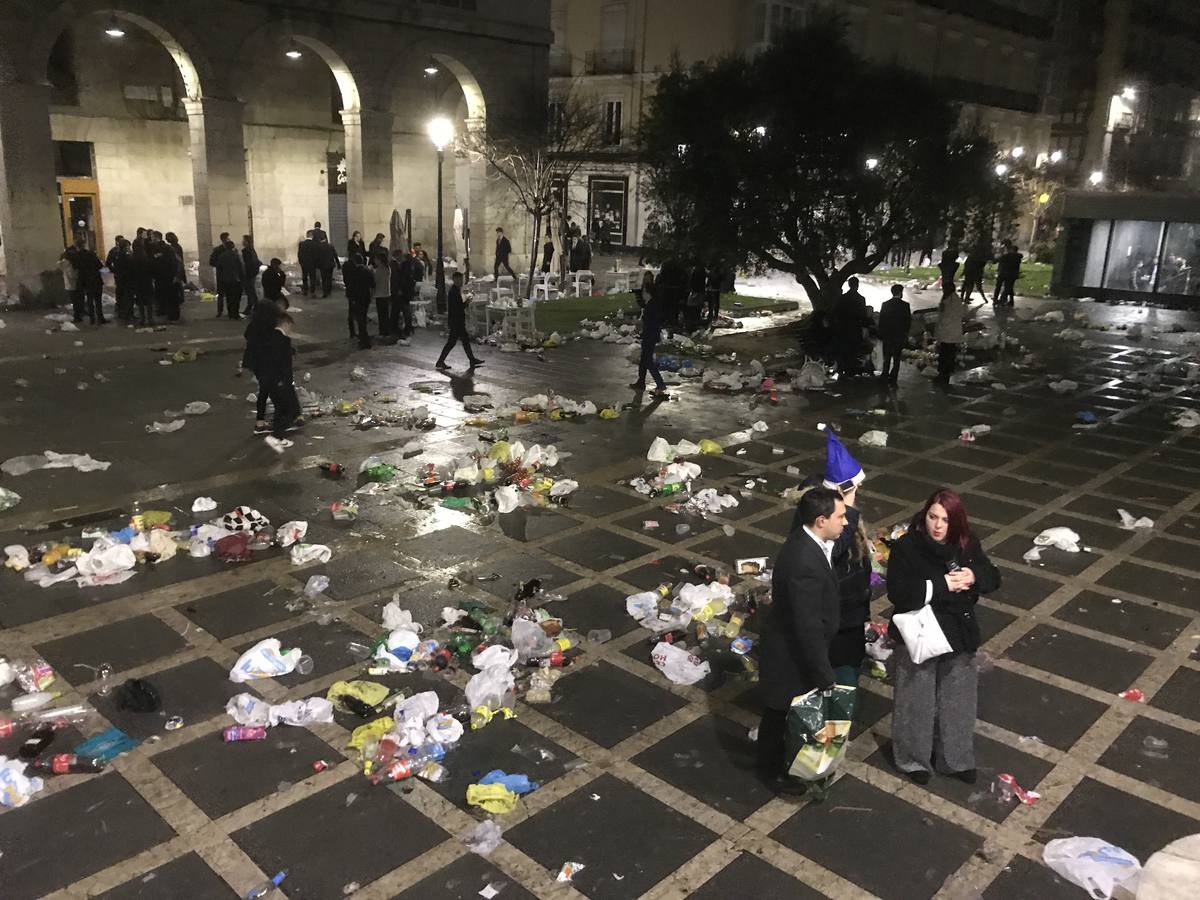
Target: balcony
[609,62]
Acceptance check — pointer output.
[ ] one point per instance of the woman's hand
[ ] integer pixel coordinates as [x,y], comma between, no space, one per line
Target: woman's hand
[958,581]
[968,576]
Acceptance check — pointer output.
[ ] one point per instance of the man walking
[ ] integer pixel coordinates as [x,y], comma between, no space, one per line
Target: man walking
[456,319]
[230,275]
[327,260]
[973,268]
[212,262]
[503,251]
[306,256]
[801,623]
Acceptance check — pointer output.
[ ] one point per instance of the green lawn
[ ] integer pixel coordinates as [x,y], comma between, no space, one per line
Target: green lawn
[1034,280]
[564,314]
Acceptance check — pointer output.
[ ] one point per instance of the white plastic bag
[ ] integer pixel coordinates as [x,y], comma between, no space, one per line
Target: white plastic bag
[1093,864]
[563,487]
[493,687]
[15,787]
[306,553]
[1129,523]
[1060,537]
[922,634]
[660,451]
[301,712]
[394,617]
[678,665]
[874,439]
[203,504]
[264,660]
[498,655]
[291,532]
[247,709]
[508,497]
[811,376]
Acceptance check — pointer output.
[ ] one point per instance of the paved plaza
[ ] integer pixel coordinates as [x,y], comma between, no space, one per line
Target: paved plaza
[648,784]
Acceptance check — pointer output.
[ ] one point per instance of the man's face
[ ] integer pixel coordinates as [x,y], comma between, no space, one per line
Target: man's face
[830,529]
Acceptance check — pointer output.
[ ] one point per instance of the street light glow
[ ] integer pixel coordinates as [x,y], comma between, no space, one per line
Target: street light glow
[1018,152]
[114,29]
[1129,92]
[431,69]
[761,130]
[441,131]
[292,52]
[1001,169]
[872,163]
[1056,156]
[1096,177]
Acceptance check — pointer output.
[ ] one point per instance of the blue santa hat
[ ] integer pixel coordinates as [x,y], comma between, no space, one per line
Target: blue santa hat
[842,471]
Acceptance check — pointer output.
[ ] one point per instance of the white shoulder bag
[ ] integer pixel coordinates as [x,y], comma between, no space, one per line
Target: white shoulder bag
[922,634]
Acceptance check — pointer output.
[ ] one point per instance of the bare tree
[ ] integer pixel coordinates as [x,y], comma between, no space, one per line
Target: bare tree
[536,153]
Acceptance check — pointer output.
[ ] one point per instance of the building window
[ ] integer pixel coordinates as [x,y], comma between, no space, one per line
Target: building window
[612,122]
[554,115]
[774,18]
[73,159]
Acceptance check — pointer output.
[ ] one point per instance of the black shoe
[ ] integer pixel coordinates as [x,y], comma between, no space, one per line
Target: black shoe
[967,776]
[920,777]
[476,363]
[441,365]
[784,785]
[637,386]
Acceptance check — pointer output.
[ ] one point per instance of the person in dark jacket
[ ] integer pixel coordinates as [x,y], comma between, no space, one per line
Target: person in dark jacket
[308,257]
[377,245]
[456,320]
[976,262]
[319,234]
[503,252]
[89,284]
[649,298]
[694,303]
[143,283]
[547,254]
[263,320]
[948,266]
[381,274]
[849,319]
[940,562]
[250,264]
[212,262]
[165,267]
[360,286]
[1008,270]
[139,240]
[424,269]
[327,261]
[712,294]
[356,245]
[895,319]
[581,255]
[275,366]
[118,262]
[176,304]
[404,290]
[273,281]
[230,274]
[672,282]
[801,622]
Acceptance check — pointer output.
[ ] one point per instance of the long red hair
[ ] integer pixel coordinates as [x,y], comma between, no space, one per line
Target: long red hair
[959,530]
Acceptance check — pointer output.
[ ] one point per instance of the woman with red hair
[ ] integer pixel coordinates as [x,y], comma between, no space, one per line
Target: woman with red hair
[940,562]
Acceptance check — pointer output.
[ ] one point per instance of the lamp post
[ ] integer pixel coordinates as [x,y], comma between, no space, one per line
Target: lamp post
[441,132]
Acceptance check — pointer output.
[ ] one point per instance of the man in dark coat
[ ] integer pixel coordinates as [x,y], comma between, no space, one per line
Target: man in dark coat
[273,280]
[672,284]
[849,319]
[895,319]
[1008,270]
[360,285]
[212,262]
[250,264]
[230,274]
[801,623]
[118,263]
[327,261]
[318,233]
[581,255]
[89,284]
[404,291]
[977,259]
[456,319]
[503,251]
[306,256]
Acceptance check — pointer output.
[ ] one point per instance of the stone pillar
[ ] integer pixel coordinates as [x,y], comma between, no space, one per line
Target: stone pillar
[219,175]
[369,172]
[30,216]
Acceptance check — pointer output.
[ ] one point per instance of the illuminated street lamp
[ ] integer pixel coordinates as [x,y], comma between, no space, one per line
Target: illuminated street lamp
[441,133]
[292,52]
[1128,92]
[1095,178]
[1056,156]
[872,163]
[114,29]
[1018,152]
[1001,169]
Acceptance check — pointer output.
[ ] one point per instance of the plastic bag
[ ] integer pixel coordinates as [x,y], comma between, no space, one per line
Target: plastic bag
[811,376]
[307,553]
[563,487]
[1093,864]
[498,655]
[710,447]
[394,617]
[808,758]
[247,709]
[291,532]
[302,712]
[15,787]
[660,451]
[203,504]
[874,439]
[482,838]
[8,499]
[264,660]
[165,427]
[492,688]
[1060,537]
[508,498]
[678,665]
[518,784]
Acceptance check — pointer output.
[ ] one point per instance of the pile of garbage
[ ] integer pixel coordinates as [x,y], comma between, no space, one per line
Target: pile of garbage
[528,409]
[112,557]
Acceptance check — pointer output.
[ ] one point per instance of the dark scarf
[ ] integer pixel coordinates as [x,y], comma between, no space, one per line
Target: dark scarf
[943,553]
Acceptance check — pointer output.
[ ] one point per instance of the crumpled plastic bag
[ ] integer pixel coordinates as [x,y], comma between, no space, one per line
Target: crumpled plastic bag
[83,462]
[1064,386]
[291,532]
[710,447]
[482,838]
[162,545]
[196,408]
[681,471]
[372,731]
[105,559]
[563,487]
[687,448]
[203,504]
[518,783]
[660,451]
[16,557]
[244,518]
[307,553]
[247,709]
[16,788]
[394,617]
[468,474]
[264,660]
[1091,863]
[643,606]
[398,649]
[492,687]
[678,665]
[494,798]
[497,654]
[874,439]
[1129,523]
[417,708]
[166,427]
[8,499]
[443,728]
[1060,537]
[367,692]
[508,497]
[811,376]
[302,712]
[1187,418]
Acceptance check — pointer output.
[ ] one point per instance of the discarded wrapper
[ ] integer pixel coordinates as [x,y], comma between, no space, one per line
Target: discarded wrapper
[569,871]
[1134,694]
[1027,797]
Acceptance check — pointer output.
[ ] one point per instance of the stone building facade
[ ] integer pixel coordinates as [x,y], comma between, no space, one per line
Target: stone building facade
[253,118]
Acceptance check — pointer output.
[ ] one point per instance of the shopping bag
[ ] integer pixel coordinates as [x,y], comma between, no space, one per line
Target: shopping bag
[1093,864]
[809,759]
[922,634]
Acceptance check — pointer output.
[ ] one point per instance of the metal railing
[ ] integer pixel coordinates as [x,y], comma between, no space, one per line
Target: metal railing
[609,62]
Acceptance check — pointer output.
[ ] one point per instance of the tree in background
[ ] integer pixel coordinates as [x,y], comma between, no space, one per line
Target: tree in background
[534,153]
[809,160]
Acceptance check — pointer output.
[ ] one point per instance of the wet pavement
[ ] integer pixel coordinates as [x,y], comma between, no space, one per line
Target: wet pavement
[647,783]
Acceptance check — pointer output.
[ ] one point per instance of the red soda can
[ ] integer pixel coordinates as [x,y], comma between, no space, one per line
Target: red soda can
[244,733]
[320,765]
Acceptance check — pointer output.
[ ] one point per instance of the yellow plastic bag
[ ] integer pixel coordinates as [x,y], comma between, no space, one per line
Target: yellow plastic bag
[494,798]
[371,731]
[609,413]
[368,692]
[500,451]
[710,446]
[152,517]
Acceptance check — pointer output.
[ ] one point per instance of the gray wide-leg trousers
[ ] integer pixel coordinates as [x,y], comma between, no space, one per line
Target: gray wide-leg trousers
[934,712]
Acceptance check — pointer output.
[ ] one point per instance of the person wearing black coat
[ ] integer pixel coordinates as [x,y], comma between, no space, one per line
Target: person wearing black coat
[212,262]
[89,285]
[118,262]
[273,280]
[230,274]
[327,261]
[275,373]
[672,282]
[649,298]
[1008,270]
[456,320]
[308,257]
[694,304]
[262,321]
[503,251]
[895,319]
[165,266]
[976,262]
[404,289]
[581,256]
[948,266]
[176,302]
[377,245]
[360,285]
[940,562]
[849,319]
[801,622]
[356,245]
[250,264]
[143,283]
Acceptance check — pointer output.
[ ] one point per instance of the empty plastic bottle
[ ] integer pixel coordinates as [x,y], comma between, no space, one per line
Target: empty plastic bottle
[409,764]
[67,764]
[244,733]
[266,887]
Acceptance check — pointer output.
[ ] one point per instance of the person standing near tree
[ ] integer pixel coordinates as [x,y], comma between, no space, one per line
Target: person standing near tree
[895,320]
[404,289]
[976,262]
[503,251]
[456,320]
[649,298]
[949,334]
[849,320]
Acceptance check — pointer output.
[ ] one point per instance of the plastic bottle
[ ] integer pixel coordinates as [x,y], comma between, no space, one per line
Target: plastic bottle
[34,700]
[410,764]
[67,764]
[386,750]
[488,622]
[266,887]
[244,733]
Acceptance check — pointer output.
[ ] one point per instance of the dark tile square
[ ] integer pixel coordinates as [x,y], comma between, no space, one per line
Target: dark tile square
[609,837]
[103,820]
[492,748]
[1170,553]
[188,876]
[1134,491]
[601,501]
[923,850]
[1179,694]
[749,876]
[991,621]
[728,549]
[1041,470]
[531,523]
[1052,559]
[908,490]
[353,574]
[599,549]
[938,470]
[1019,588]
[766,481]
[1036,492]
[1140,826]
[1172,769]
[245,608]
[1079,658]
[463,879]
[1023,879]
[1186,526]
[779,524]
[878,512]
[196,691]
[326,644]
[515,569]
[992,510]
[449,546]
[667,530]
[1078,458]
[991,758]
[1154,584]
[629,703]
[713,760]
[321,861]
[973,455]
[1105,508]
[869,709]
[123,645]
[665,570]
[914,443]
[723,468]
[755,451]
[1033,708]
[1129,620]
[596,606]
[801,440]
[220,777]
[746,508]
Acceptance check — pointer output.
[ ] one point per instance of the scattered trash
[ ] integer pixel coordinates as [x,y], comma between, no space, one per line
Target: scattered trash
[1187,418]
[264,660]
[569,870]
[1129,523]
[493,798]
[1155,747]
[203,504]
[1091,863]
[680,666]
[16,788]
[1064,386]
[1005,787]
[8,499]
[874,439]
[21,465]
[1133,694]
